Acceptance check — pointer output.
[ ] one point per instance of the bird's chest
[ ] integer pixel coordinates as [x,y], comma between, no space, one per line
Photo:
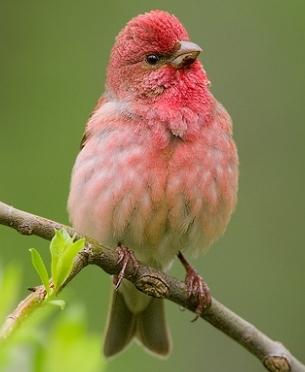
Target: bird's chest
[152,193]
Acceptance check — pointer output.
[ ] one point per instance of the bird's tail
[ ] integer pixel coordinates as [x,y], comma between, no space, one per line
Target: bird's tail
[148,326]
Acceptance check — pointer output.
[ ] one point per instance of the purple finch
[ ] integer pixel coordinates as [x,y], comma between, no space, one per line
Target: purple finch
[158,169]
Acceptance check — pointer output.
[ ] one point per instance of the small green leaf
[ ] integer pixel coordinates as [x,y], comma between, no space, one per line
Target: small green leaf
[73,250]
[58,246]
[66,236]
[60,303]
[66,261]
[40,268]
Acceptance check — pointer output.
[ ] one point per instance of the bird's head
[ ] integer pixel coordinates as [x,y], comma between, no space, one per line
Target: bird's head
[151,55]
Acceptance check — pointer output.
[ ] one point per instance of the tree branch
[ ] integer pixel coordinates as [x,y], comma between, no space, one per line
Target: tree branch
[273,355]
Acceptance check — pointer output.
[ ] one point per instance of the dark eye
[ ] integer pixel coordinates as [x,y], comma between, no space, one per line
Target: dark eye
[152,59]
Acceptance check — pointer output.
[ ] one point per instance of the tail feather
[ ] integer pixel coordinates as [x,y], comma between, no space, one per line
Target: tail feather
[149,326]
[121,326]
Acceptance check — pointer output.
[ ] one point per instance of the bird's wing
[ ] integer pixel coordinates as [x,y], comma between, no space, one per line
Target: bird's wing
[86,134]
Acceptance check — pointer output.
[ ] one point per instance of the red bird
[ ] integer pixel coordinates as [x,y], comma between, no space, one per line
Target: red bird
[158,169]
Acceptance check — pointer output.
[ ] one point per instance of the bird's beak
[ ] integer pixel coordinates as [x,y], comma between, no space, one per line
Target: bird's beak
[185,54]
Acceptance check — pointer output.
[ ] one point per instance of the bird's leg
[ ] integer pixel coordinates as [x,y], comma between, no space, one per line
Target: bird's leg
[125,255]
[196,287]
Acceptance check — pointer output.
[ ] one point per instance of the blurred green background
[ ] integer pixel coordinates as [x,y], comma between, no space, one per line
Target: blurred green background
[52,66]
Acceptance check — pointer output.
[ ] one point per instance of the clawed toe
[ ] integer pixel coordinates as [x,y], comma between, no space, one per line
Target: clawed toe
[125,256]
[196,288]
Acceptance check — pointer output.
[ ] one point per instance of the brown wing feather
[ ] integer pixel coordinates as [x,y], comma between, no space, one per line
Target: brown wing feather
[86,134]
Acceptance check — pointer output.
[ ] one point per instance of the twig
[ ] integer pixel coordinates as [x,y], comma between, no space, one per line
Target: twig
[22,311]
[273,355]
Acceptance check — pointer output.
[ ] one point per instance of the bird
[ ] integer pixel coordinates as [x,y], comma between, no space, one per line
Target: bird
[157,173]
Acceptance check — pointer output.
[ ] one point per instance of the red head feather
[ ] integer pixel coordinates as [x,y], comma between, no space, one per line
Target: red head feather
[128,73]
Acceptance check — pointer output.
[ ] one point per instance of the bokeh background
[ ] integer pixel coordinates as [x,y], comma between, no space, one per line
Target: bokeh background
[52,65]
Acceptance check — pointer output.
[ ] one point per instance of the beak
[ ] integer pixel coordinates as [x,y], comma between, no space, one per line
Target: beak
[186,54]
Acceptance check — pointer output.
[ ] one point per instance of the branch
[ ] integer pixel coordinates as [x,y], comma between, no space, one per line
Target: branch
[273,355]
[22,311]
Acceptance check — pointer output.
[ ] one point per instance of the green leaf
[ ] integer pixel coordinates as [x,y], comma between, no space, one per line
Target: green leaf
[40,268]
[57,247]
[66,261]
[63,251]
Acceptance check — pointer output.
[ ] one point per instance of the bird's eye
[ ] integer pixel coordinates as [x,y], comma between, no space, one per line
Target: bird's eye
[152,59]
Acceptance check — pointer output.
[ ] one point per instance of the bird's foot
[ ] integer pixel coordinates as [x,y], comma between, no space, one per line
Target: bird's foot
[196,288]
[125,256]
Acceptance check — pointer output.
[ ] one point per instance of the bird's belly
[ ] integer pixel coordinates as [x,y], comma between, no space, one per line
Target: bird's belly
[154,203]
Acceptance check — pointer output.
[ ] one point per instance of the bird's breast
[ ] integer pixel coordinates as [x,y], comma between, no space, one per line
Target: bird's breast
[157,195]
